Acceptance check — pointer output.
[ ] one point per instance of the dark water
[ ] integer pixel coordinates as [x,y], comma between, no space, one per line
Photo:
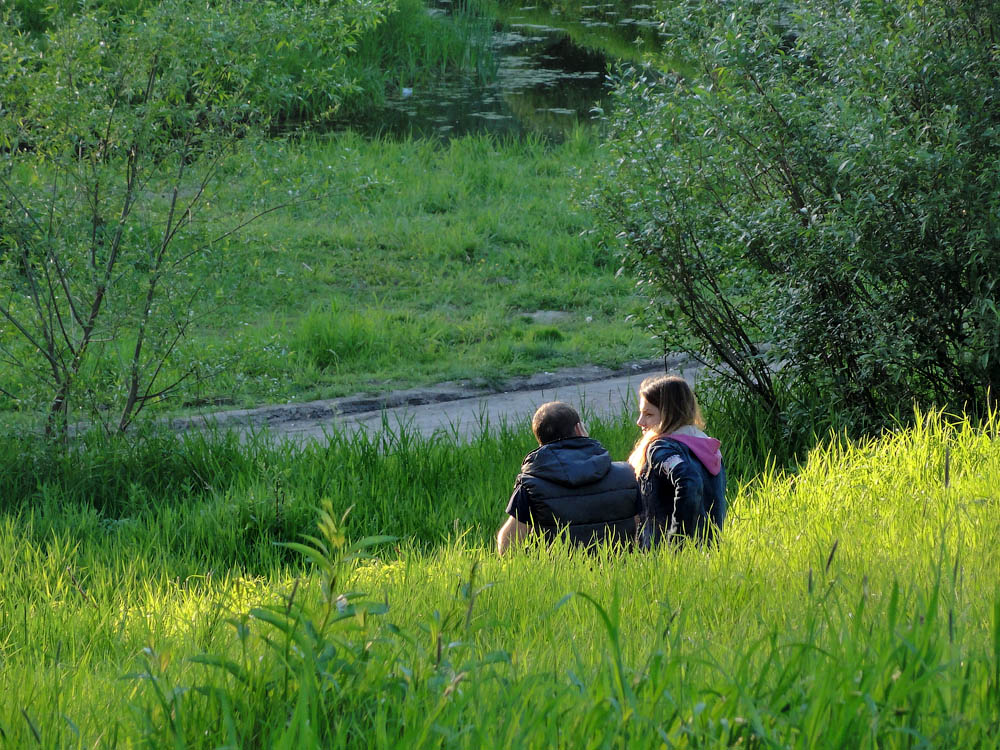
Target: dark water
[545,82]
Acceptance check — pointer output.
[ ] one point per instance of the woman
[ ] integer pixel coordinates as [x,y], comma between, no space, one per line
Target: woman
[682,480]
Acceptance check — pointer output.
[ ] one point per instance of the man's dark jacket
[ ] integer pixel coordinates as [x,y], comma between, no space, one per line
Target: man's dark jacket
[573,484]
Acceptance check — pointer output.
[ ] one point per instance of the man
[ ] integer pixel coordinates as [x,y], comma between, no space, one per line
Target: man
[569,483]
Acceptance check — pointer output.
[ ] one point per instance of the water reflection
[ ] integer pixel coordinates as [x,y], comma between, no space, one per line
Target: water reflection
[546,81]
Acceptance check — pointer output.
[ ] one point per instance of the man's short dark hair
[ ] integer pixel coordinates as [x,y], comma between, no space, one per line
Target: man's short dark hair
[554,421]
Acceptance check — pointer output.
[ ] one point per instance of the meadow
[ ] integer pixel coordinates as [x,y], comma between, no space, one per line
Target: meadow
[397,253]
[178,592]
[321,263]
[379,264]
[196,591]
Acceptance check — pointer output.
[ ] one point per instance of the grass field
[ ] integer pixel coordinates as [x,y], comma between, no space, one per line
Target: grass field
[159,590]
[371,265]
[411,251]
[145,602]
[387,265]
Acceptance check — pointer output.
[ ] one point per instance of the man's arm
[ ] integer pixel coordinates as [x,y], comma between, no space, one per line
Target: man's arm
[510,533]
[519,511]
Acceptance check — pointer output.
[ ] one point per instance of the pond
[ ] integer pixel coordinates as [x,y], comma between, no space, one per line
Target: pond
[550,74]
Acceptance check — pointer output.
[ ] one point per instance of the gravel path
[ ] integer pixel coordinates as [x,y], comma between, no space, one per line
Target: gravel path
[458,408]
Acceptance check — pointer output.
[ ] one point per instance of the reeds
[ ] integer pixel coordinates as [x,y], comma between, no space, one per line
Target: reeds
[414,47]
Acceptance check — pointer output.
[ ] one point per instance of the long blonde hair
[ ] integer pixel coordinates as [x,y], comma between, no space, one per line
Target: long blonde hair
[678,407]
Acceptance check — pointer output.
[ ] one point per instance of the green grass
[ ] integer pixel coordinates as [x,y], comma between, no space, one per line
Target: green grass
[387,265]
[151,593]
[852,603]
[400,263]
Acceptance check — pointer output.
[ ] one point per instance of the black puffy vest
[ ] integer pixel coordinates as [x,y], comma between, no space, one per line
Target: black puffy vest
[573,484]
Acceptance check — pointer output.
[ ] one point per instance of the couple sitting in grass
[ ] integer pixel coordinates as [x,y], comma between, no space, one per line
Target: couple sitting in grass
[672,487]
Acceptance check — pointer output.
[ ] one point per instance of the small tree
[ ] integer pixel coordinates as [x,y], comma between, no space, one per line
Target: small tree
[821,177]
[114,128]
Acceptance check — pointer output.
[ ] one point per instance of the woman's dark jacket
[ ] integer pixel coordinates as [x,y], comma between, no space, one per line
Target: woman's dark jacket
[573,485]
[680,497]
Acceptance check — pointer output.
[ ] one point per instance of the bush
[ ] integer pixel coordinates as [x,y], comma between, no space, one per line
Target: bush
[822,178]
[114,133]
[300,62]
[283,61]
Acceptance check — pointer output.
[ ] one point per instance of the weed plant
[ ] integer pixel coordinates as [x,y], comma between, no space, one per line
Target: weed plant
[851,603]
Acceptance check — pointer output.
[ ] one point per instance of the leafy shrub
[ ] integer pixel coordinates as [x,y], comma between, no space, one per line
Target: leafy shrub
[300,60]
[822,178]
[33,17]
[283,61]
[114,131]
[412,47]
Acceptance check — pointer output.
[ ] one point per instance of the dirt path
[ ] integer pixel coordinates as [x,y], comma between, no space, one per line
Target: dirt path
[454,408]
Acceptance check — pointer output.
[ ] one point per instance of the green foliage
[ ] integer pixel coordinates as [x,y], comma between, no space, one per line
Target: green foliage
[260,492]
[411,46]
[39,17]
[852,604]
[253,493]
[296,62]
[545,334]
[437,247]
[339,338]
[98,187]
[116,132]
[412,250]
[446,243]
[823,180]
[284,61]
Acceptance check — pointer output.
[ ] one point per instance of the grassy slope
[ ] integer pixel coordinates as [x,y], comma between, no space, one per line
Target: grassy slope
[390,264]
[851,604]
[398,264]
[409,263]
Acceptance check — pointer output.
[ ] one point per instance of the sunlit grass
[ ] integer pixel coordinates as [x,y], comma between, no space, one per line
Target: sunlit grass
[852,603]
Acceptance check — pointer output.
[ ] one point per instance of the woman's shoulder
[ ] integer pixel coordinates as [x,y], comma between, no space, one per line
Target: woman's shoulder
[663,446]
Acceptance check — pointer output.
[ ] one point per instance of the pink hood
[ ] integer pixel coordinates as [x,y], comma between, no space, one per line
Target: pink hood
[704,448]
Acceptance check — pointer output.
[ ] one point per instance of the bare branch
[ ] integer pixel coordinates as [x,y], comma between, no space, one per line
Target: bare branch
[27,335]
